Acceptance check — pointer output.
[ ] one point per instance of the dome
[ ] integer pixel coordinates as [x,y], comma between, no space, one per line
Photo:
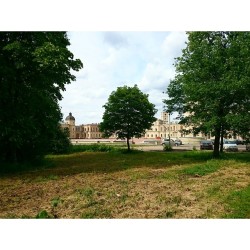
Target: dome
[70,117]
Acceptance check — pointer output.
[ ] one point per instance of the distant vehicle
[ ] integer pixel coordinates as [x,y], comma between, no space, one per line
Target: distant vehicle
[206,145]
[239,142]
[179,141]
[172,142]
[230,146]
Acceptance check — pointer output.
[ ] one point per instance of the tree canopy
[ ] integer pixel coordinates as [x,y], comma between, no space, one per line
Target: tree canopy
[34,69]
[128,113]
[211,87]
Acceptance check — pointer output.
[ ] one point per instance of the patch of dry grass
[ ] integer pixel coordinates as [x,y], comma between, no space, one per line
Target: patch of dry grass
[104,185]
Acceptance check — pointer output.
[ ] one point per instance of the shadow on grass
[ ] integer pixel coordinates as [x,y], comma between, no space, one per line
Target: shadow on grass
[107,162]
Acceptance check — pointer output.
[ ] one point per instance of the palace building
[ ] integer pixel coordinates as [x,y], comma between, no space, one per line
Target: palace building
[84,131]
[161,128]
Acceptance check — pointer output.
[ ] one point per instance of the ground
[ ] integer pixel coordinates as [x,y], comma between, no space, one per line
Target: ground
[150,185]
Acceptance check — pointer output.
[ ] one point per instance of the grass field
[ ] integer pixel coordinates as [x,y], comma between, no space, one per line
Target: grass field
[130,185]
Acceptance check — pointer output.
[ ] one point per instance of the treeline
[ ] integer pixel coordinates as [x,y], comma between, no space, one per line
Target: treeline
[34,69]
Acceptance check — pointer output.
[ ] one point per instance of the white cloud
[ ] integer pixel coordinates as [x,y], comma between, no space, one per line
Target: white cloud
[113,59]
[173,44]
[115,39]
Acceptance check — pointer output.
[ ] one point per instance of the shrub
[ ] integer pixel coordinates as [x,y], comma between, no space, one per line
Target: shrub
[94,148]
[43,215]
[167,147]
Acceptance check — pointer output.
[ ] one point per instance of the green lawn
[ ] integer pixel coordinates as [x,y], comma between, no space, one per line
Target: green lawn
[118,184]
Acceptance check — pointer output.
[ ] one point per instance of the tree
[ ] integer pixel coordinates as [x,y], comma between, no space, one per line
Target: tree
[211,87]
[34,69]
[128,113]
[60,142]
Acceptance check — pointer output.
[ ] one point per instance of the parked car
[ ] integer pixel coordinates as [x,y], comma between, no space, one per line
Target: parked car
[179,141]
[172,142]
[206,145]
[230,146]
[239,142]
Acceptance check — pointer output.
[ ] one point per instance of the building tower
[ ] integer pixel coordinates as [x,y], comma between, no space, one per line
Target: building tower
[70,119]
[70,124]
[164,117]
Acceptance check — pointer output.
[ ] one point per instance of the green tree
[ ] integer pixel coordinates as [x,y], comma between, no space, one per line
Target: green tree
[60,142]
[211,87]
[34,69]
[128,113]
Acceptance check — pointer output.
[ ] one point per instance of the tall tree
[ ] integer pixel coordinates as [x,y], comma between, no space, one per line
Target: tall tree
[211,87]
[128,113]
[34,69]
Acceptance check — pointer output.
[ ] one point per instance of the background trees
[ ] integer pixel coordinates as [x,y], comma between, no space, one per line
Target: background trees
[212,84]
[128,113]
[34,68]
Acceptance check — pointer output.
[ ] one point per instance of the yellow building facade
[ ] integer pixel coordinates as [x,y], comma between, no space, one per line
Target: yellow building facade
[84,131]
[161,128]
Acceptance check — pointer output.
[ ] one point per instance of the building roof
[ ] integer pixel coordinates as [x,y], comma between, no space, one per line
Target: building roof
[70,117]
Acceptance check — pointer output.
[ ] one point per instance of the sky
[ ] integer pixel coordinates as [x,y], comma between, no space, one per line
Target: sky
[113,59]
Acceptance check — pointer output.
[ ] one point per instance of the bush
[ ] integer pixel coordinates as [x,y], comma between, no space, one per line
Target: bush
[167,147]
[93,148]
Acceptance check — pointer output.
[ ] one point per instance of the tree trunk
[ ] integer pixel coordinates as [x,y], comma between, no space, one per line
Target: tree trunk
[216,152]
[221,140]
[128,144]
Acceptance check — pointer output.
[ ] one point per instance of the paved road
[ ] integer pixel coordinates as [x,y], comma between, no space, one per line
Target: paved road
[182,147]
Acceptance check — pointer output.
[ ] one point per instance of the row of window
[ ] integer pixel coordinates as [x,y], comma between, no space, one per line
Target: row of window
[167,128]
[162,135]
[91,129]
[86,129]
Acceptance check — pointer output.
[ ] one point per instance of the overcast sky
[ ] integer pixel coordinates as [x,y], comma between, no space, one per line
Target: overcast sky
[113,59]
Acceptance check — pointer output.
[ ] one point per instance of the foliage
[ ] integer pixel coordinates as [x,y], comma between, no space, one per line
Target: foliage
[167,147]
[211,88]
[128,113]
[34,68]
[43,215]
[94,148]
[60,143]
